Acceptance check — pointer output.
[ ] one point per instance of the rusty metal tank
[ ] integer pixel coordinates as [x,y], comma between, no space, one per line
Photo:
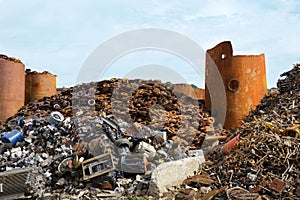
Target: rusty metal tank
[244,78]
[39,85]
[12,86]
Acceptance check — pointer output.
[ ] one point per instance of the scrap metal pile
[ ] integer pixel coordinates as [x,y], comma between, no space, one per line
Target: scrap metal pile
[10,58]
[101,139]
[104,139]
[266,161]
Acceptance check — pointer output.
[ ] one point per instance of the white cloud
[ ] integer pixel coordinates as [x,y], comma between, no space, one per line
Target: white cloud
[58,36]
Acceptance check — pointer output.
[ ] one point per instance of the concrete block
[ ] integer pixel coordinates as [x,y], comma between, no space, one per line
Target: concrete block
[172,173]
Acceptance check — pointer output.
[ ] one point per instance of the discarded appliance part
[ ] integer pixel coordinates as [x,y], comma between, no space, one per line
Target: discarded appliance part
[91,102]
[12,87]
[55,117]
[123,151]
[110,123]
[135,163]
[39,85]
[244,79]
[66,164]
[123,142]
[146,148]
[12,137]
[113,131]
[12,183]
[97,166]
[123,145]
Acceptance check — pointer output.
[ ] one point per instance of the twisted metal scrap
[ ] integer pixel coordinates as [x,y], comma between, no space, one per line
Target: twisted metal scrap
[269,146]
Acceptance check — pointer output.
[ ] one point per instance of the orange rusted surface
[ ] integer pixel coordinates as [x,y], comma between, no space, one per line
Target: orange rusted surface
[195,93]
[12,84]
[244,78]
[39,85]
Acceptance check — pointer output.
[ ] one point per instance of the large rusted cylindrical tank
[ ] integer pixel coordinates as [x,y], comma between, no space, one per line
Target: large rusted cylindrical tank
[244,78]
[39,85]
[12,86]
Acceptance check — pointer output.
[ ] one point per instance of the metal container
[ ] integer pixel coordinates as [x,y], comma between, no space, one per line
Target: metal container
[12,137]
[39,85]
[244,78]
[12,87]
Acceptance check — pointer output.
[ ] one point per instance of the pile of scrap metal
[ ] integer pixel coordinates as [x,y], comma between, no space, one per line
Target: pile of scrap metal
[100,139]
[291,82]
[10,58]
[262,159]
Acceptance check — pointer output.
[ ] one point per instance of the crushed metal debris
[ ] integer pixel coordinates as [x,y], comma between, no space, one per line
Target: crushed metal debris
[96,141]
[84,145]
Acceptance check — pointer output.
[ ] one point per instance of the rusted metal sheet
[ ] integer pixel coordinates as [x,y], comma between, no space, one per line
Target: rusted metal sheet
[277,185]
[244,78]
[12,84]
[39,85]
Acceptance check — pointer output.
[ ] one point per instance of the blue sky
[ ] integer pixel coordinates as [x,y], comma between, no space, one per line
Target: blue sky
[58,36]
